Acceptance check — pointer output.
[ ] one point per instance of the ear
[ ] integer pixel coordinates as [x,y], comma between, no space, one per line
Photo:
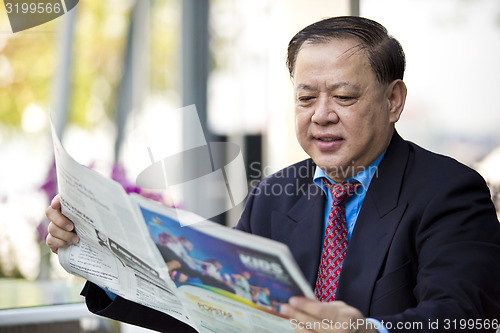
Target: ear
[396,97]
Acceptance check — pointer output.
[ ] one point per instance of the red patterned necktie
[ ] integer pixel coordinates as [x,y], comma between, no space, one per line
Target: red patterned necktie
[335,242]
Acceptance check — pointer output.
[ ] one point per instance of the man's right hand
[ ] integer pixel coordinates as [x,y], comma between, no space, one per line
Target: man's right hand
[60,229]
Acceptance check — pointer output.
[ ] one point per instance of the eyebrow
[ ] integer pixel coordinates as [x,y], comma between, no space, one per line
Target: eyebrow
[305,86]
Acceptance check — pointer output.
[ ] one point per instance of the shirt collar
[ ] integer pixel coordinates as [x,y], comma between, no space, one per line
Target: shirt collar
[364,177]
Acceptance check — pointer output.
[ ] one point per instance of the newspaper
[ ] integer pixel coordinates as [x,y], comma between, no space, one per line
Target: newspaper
[208,276]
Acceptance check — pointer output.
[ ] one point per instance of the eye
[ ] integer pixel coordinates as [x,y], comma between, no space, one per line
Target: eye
[305,100]
[345,99]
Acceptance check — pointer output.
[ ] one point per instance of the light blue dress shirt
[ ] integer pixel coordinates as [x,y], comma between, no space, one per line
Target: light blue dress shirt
[353,206]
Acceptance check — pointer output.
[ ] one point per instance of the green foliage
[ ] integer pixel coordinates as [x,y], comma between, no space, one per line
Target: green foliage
[26,67]
[98,52]
[28,60]
[165,45]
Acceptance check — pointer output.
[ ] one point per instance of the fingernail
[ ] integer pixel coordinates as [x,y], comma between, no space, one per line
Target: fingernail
[69,227]
[76,240]
[285,309]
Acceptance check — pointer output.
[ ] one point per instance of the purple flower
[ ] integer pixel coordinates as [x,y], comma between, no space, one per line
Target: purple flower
[42,229]
[118,174]
[50,184]
[50,188]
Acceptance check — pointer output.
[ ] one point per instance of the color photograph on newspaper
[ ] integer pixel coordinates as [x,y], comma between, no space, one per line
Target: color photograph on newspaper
[246,275]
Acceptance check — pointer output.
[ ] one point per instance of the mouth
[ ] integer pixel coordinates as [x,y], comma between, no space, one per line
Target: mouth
[328,142]
[327,138]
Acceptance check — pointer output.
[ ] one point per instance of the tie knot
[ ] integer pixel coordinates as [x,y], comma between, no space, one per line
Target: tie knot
[342,191]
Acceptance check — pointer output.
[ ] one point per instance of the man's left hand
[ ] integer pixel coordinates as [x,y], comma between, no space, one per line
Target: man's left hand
[314,316]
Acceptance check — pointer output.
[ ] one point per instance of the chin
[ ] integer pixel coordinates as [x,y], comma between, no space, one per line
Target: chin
[327,163]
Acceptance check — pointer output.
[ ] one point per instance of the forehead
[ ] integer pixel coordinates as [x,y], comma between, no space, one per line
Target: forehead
[335,58]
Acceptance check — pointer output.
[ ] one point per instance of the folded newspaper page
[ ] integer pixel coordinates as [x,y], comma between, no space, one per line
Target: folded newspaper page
[211,277]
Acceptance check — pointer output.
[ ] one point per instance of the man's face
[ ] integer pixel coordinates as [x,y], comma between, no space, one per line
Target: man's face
[343,118]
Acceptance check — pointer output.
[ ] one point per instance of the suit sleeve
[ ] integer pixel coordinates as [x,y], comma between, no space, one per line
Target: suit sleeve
[245,218]
[129,312]
[457,246]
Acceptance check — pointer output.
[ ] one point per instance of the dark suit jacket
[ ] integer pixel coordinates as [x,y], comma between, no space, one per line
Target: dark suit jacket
[425,248]
[426,244]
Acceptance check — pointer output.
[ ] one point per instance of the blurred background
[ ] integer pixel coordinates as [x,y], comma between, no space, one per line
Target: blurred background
[113,72]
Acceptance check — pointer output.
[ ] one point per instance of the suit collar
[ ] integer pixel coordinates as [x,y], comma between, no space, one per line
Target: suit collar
[306,191]
[377,222]
[301,227]
[386,184]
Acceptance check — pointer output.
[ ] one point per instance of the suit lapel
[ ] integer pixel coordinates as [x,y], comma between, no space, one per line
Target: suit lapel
[376,224]
[301,227]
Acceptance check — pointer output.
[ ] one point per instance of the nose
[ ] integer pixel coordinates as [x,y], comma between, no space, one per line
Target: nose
[325,113]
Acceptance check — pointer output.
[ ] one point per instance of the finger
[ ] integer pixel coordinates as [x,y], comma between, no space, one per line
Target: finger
[59,237]
[56,202]
[299,321]
[336,313]
[318,309]
[56,217]
[55,243]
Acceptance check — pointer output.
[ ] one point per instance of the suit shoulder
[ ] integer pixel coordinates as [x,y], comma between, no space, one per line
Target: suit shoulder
[435,165]
[303,170]
[287,185]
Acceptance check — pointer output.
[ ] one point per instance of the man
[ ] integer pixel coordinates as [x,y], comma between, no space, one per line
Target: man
[418,244]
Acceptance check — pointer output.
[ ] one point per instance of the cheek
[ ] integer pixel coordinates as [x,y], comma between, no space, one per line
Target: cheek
[353,124]
[302,130]
[363,122]
[302,121]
